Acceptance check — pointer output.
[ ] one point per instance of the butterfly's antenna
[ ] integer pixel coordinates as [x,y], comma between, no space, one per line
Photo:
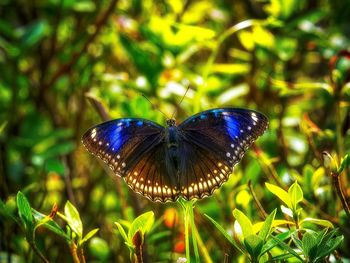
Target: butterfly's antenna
[172,116]
[154,106]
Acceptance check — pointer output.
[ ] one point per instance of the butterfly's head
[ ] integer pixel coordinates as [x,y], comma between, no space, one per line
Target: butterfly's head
[170,122]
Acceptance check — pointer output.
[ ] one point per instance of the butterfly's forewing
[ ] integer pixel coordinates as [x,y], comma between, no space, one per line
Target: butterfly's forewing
[121,142]
[135,150]
[213,142]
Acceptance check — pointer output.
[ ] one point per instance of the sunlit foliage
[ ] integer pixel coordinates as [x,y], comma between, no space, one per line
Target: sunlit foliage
[66,65]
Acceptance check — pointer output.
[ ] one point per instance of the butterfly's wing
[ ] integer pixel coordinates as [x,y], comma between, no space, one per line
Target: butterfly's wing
[212,143]
[154,176]
[135,149]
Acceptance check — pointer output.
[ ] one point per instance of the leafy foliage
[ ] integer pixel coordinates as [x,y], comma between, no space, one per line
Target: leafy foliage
[66,65]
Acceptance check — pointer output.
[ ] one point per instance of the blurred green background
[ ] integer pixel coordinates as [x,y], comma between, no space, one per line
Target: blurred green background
[66,65]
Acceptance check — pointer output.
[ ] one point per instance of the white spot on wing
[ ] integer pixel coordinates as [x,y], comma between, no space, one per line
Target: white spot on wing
[93,133]
[254,117]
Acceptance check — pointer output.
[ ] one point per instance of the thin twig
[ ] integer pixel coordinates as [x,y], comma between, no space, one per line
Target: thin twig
[100,21]
[68,180]
[337,185]
[256,201]
[38,252]
[81,255]
[138,242]
[98,106]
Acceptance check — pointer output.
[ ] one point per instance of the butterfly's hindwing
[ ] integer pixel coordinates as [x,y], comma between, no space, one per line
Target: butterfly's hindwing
[201,172]
[121,143]
[153,177]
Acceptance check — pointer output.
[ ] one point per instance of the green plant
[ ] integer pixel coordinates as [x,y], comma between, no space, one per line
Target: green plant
[136,234]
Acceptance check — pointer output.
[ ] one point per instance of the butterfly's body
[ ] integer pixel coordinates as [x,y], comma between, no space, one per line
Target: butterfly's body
[189,160]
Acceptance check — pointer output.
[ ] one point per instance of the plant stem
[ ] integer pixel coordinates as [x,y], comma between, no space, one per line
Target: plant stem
[73,251]
[340,139]
[187,238]
[256,200]
[202,247]
[38,252]
[81,255]
[337,185]
[190,205]
[187,207]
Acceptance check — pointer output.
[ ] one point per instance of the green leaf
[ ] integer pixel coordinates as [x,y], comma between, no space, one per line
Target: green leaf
[309,243]
[224,233]
[331,246]
[330,162]
[25,213]
[73,219]
[244,222]
[296,195]
[253,244]
[232,69]
[287,248]
[143,222]
[280,193]
[88,236]
[326,242]
[281,258]
[271,243]
[316,221]
[51,225]
[122,231]
[84,6]
[296,240]
[344,163]
[258,226]
[34,33]
[266,228]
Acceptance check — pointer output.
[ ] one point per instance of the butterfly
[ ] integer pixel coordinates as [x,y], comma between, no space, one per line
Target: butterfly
[188,160]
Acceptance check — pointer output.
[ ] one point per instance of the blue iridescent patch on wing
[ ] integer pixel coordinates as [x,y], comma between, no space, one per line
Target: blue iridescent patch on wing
[216,112]
[232,126]
[114,136]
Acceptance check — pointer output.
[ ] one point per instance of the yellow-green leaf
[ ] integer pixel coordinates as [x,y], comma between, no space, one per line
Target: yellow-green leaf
[280,193]
[73,219]
[296,195]
[244,222]
[266,227]
[143,222]
[316,221]
[232,69]
[121,231]
[88,236]
[258,226]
